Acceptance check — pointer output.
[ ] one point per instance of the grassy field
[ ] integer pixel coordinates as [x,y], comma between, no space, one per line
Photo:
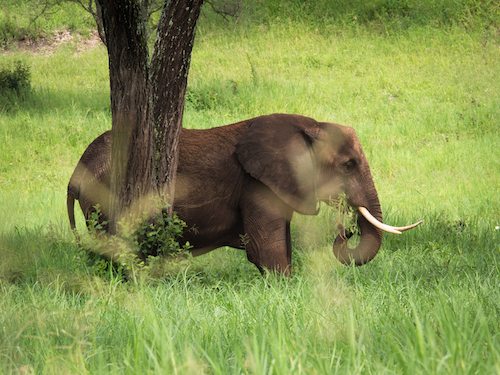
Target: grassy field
[421,87]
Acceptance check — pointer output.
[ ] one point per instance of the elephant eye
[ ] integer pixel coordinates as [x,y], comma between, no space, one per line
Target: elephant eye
[349,165]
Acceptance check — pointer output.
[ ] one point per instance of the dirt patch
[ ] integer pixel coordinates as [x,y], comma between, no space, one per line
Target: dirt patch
[84,44]
[48,45]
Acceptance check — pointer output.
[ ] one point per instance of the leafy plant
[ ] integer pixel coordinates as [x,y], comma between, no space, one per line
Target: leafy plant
[154,238]
[96,224]
[160,236]
[15,79]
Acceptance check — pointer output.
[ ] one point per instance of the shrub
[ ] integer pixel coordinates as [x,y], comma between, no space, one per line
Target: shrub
[161,236]
[15,79]
[155,237]
[140,252]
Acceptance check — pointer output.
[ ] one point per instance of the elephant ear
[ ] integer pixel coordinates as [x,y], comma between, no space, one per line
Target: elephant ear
[276,150]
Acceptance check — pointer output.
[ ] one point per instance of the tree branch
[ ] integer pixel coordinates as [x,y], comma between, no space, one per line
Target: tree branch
[93,8]
[47,6]
[227,9]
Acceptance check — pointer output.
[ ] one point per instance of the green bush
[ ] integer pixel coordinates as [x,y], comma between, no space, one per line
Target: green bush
[15,79]
[141,248]
[158,236]
[161,236]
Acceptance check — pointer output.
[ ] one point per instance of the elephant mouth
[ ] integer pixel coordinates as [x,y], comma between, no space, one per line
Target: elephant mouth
[371,229]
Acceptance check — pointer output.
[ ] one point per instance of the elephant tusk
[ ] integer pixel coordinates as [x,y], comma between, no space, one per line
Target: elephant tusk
[408,227]
[387,228]
[368,216]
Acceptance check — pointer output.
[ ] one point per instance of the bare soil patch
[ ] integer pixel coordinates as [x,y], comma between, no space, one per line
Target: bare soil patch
[48,45]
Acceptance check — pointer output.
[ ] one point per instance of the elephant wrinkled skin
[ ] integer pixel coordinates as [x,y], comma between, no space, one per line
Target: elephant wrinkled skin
[239,185]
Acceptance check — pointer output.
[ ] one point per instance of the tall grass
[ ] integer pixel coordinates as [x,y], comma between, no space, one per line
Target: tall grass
[424,101]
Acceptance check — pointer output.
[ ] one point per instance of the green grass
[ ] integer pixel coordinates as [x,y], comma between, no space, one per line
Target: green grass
[424,99]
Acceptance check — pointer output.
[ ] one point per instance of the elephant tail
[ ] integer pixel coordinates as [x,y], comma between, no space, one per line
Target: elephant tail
[70,204]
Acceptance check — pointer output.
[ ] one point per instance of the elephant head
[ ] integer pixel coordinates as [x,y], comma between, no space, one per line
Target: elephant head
[304,162]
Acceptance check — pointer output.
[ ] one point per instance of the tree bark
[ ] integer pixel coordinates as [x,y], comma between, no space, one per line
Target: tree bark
[146,108]
[169,72]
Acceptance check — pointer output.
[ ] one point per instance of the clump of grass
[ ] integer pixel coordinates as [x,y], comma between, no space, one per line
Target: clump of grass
[346,217]
[15,84]
[8,31]
[15,79]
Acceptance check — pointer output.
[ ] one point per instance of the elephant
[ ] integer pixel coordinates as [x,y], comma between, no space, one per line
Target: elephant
[239,185]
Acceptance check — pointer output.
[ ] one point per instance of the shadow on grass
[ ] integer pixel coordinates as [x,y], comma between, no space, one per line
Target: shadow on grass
[44,255]
[441,251]
[213,96]
[39,255]
[42,100]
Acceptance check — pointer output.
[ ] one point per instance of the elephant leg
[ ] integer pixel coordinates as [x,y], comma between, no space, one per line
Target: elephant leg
[266,222]
[288,243]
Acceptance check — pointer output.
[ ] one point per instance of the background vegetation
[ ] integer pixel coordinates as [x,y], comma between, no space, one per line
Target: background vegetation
[419,82]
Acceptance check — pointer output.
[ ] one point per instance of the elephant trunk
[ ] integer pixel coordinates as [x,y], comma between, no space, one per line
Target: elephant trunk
[370,238]
[370,226]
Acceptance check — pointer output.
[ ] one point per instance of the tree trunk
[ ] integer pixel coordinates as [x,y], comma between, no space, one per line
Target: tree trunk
[146,109]
[169,72]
